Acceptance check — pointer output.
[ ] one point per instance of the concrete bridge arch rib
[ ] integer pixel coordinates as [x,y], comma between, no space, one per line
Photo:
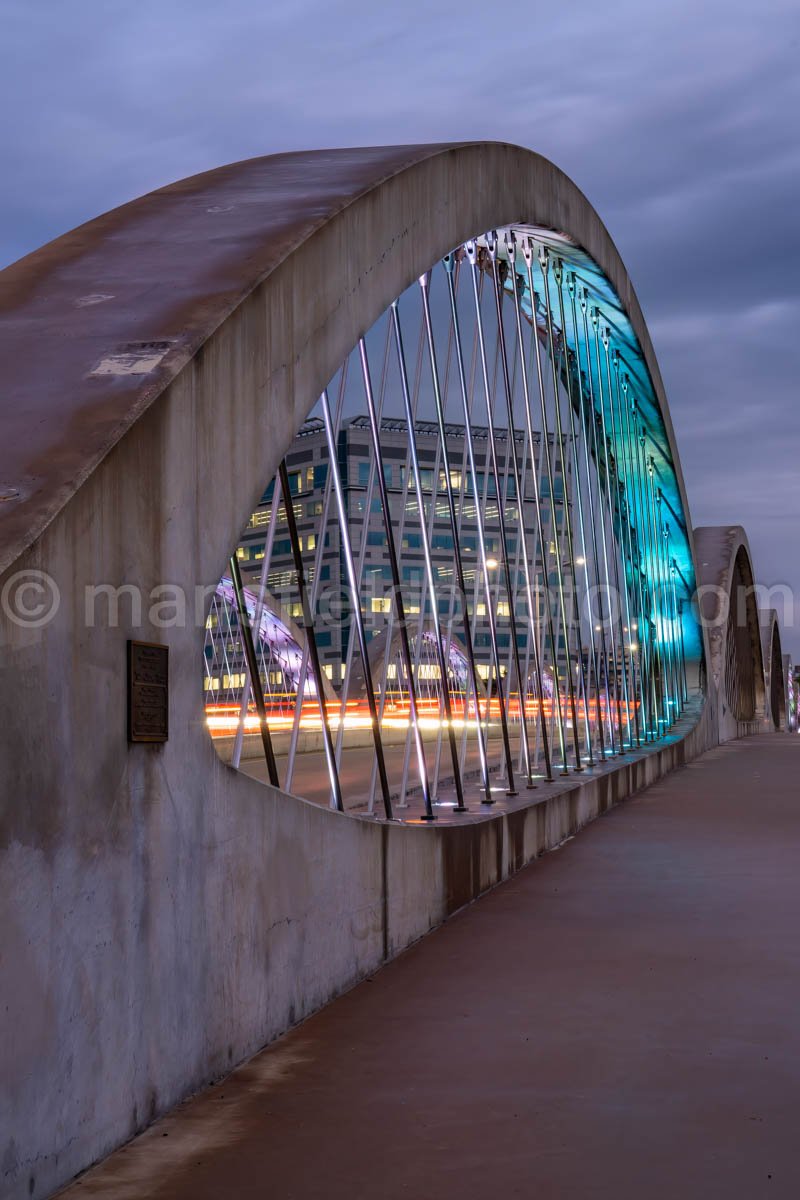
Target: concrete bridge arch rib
[728,607]
[165,916]
[774,681]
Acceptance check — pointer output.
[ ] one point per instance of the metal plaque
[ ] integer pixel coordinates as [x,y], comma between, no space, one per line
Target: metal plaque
[148,692]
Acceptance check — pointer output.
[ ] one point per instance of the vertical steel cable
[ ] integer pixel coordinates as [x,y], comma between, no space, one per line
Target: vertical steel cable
[558,275]
[472,255]
[355,591]
[601,472]
[664,605]
[405,648]
[427,526]
[437,631]
[344,694]
[626,545]
[311,639]
[679,614]
[585,432]
[654,543]
[557,436]
[619,668]
[529,560]
[668,604]
[519,486]
[619,558]
[656,663]
[573,362]
[318,556]
[448,262]
[255,678]
[403,513]
[668,581]
[643,628]
[544,452]
[236,757]
[451,509]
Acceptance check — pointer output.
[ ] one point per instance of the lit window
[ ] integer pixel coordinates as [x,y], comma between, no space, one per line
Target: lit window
[381,604]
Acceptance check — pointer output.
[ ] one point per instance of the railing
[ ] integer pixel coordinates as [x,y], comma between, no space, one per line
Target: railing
[484,558]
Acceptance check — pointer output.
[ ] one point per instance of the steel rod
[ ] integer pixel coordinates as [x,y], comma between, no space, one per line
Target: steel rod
[397,596]
[607,623]
[453,516]
[355,592]
[592,524]
[619,667]
[626,550]
[483,565]
[557,449]
[519,483]
[429,569]
[311,639]
[527,248]
[255,679]
[558,275]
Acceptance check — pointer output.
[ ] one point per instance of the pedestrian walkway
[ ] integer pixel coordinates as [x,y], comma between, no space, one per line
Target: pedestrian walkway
[620,1020]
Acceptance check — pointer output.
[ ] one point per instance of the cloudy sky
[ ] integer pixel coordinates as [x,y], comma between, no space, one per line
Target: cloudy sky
[678,119]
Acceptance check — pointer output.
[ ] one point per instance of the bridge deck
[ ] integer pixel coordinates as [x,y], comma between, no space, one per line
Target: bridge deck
[619,1020]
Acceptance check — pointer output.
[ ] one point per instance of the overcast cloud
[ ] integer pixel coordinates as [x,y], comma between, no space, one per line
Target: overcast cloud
[679,120]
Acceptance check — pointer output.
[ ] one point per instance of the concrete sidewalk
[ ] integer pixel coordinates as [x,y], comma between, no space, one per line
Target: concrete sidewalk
[621,1019]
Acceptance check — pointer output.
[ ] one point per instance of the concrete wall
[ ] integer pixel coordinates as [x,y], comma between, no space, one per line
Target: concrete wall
[717,550]
[160,942]
[163,916]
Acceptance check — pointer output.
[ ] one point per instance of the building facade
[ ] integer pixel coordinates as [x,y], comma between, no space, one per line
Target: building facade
[265,550]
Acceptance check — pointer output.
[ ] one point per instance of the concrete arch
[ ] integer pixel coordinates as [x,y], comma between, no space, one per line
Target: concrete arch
[728,610]
[158,363]
[774,682]
[240,291]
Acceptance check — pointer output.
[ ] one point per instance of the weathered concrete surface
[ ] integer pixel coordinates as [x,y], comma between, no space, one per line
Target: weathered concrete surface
[163,917]
[619,1021]
[300,252]
[226,925]
[719,551]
